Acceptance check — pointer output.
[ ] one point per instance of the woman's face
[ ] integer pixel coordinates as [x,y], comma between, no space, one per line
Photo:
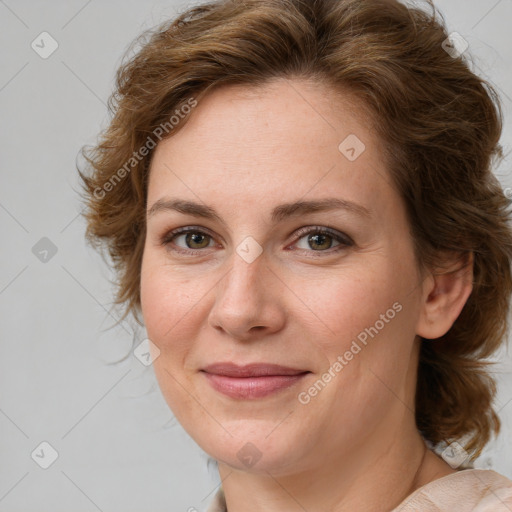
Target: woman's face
[296,253]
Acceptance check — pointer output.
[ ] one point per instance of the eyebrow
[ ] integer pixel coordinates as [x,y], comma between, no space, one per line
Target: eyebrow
[279,213]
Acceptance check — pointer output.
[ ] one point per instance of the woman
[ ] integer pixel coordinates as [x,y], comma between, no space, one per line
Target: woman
[298,200]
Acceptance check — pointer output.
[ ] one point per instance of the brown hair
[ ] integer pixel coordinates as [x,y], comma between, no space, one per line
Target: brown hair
[440,122]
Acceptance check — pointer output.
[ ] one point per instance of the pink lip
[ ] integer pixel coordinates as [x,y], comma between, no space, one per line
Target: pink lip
[251,381]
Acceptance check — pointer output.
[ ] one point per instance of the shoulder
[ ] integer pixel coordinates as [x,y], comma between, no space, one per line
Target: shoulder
[469,490]
[498,493]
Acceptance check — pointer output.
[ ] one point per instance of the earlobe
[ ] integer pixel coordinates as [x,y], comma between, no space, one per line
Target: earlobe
[446,290]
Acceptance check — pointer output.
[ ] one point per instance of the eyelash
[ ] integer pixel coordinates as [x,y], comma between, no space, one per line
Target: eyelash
[344,240]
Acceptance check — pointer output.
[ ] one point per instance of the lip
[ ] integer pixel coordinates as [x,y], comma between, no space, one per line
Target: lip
[229,369]
[251,381]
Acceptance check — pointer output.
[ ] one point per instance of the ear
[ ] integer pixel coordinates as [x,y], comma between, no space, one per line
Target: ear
[445,291]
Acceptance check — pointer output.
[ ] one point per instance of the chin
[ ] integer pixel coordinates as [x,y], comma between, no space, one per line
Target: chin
[251,449]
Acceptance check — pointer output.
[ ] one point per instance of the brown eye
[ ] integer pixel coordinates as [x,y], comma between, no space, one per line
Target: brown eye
[187,239]
[197,240]
[320,241]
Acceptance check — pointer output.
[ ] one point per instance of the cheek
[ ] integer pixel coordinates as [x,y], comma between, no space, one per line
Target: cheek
[169,304]
[169,309]
[368,351]
[354,301]
[370,313]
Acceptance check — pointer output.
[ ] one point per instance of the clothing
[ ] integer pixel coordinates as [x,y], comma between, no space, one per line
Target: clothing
[469,490]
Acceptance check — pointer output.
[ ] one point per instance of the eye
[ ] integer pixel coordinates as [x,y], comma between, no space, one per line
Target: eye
[188,239]
[191,240]
[195,240]
[321,239]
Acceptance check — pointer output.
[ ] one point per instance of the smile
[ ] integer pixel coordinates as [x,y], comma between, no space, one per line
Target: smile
[251,381]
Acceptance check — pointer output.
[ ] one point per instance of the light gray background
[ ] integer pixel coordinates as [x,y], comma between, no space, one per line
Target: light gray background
[119,448]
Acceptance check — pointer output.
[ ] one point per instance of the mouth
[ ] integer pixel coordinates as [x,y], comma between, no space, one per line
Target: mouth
[251,381]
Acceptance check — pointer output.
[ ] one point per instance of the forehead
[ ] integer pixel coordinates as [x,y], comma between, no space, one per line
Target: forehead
[288,136]
[282,111]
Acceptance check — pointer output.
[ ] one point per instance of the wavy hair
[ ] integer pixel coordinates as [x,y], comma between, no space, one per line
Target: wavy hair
[441,124]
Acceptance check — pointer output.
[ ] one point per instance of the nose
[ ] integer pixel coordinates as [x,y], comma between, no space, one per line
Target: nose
[248,301]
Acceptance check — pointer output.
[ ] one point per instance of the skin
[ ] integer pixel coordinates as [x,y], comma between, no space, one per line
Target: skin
[300,303]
